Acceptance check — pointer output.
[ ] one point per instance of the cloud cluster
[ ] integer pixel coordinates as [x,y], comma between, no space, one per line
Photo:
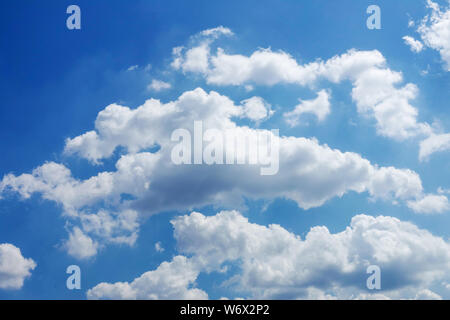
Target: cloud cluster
[272,262]
[276,264]
[377,90]
[309,173]
[80,199]
[435,31]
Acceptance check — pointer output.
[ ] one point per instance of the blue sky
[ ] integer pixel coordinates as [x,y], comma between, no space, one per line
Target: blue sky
[55,81]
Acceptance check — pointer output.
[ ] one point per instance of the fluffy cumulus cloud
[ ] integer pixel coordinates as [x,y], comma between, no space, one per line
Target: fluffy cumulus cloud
[274,263]
[267,261]
[430,204]
[14,268]
[320,107]
[89,228]
[435,31]
[321,172]
[80,245]
[171,280]
[256,108]
[377,90]
[434,143]
[307,172]
[158,85]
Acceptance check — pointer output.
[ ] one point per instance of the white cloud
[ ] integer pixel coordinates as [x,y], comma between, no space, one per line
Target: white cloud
[194,60]
[158,85]
[435,31]
[55,182]
[261,67]
[79,245]
[434,143]
[159,247]
[414,45]
[177,57]
[256,109]
[278,264]
[217,32]
[309,173]
[132,68]
[430,204]
[376,89]
[426,294]
[371,296]
[14,268]
[171,280]
[115,227]
[152,123]
[442,191]
[320,107]
[80,199]
[273,263]
[317,166]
